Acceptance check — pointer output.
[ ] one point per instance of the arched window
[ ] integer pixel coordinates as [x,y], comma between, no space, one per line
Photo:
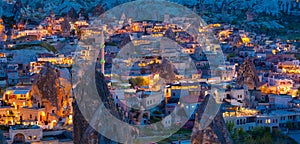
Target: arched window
[19,138]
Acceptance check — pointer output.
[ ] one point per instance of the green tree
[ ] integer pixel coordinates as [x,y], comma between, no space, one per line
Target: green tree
[289,125]
[230,55]
[258,132]
[230,126]
[266,139]
[229,87]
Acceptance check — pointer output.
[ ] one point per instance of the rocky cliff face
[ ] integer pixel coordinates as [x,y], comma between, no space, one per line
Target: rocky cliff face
[216,132]
[83,132]
[63,6]
[166,70]
[247,75]
[53,87]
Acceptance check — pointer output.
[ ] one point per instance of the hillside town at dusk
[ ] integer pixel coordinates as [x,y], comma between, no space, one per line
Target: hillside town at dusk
[253,59]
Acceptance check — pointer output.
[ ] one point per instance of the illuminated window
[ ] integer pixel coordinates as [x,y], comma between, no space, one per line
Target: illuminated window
[268,121]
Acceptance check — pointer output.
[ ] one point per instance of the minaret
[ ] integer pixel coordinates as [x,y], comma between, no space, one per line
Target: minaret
[167,18]
[102,46]
[122,19]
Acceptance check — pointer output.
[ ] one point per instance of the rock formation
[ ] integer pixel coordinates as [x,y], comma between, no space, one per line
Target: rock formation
[98,10]
[83,132]
[166,70]
[216,132]
[53,88]
[170,34]
[247,75]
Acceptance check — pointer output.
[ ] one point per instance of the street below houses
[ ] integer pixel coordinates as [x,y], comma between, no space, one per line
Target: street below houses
[295,135]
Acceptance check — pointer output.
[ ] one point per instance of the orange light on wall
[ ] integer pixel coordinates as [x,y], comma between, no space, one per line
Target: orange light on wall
[135,28]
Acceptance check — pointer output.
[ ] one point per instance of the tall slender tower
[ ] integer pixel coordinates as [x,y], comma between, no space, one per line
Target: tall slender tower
[102,46]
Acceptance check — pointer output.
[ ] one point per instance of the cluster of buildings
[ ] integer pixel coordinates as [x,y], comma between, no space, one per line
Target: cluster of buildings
[23,105]
[274,100]
[28,114]
[259,78]
[34,134]
[51,30]
[265,96]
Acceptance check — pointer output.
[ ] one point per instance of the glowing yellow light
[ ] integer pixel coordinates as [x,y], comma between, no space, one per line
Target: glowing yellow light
[43,114]
[151,62]
[217,25]
[274,51]
[245,40]
[284,70]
